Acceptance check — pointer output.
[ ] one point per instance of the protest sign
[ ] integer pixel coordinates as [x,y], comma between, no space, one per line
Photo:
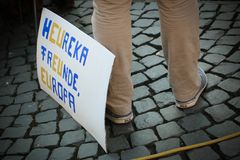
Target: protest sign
[74,69]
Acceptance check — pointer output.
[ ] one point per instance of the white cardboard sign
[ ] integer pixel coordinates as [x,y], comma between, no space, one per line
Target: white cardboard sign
[74,69]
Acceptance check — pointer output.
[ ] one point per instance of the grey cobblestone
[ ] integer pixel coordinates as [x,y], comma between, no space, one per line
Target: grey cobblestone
[171,113]
[223,129]
[220,112]
[16,61]
[13,157]
[87,150]
[45,128]
[72,137]
[38,154]
[165,145]
[140,92]
[174,157]
[144,105]
[228,7]
[23,77]
[6,100]
[141,39]
[235,102]
[195,137]
[19,69]
[214,58]
[21,146]
[5,122]
[213,80]
[205,153]
[163,99]
[46,116]
[11,110]
[117,143]
[206,44]
[62,153]
[27,86]
[46,140]
[143,51]
[143,137]
[156,72]
[14,132]
[29,107]
[122,129]
[68,124]
[136,67]
[213,34]
[139,78]
[8,90]
[160,85]
[221,49]
[22,121]
[4,81]
[230,85]
[41,95]
[216,96]
[170,129]
[143,23]
[199,120]
[48,104]
[229,40]
[112,156]
[152,60]
[3,72]
[136,152]
[147,120]
[234,57]
[5,144]
[231,147]
[23,98]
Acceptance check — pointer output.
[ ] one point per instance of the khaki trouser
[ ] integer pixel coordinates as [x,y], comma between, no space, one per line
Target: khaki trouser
[111,23]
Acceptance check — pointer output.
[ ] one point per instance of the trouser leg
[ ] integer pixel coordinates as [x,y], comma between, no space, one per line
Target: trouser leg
[111,23]
[180,40]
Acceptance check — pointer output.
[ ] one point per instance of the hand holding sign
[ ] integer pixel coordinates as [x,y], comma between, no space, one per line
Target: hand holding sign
[74,69]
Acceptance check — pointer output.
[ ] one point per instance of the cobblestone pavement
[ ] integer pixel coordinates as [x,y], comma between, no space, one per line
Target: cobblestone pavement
[33,126]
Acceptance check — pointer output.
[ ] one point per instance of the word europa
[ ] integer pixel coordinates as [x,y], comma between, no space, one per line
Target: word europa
[57,66]
[68,43]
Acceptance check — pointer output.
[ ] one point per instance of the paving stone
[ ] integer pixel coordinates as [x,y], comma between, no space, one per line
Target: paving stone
[151,14]
[31,49]
[152,60]
[18,44]
[237,119]
[136,152]
[147,120]
[236,158]
[6,100]
[234,31]
[236,24]
[223,129]
[139,78]
[219,24]
[165,145]
[163,99]
[195,137]
[204,23]
[27,86]
[38,154]
[111,156]
[23,121]
[205,66]
[214,58]
[201,104]
[21,146]
[46,116]
[136,30]
[16,52]
[143,51]
[89,138]
[230,85]
[136,67]
[170,129]
[221,49]
[171,113]
[16,61]
[5,122]
[226,68]
[87,150]
[11,110]
[143,137]
[228,7]
[20,69]
[14,132]
[174,157]
[209,7]
[216,96]
[7,90]
[6,80]
[225,16]
[25,97]
[34,75]
[137,6]
[236,75]
[62,153]
[48,104]
[207,15]
[231,147]
[229,40]
[23,77]
[157,42]
[64,114]
[220,112]
[213,80]
[117,143]
[3,72]
[68,124]
[160,85]
[205,153]
[156,72]
[72,137]
[140,92]
[41,95]
[206,44]
[122,129]
[144,105]
[234,57]
[46,140]
[141,39]
[143,23]
[29,107]
[200,121]
[235,102]
[213,34]
[154,30]
[5,144]
[45,128]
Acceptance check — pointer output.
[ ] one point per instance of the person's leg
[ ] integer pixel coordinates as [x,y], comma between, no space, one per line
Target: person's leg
[111,23]
[180,38]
